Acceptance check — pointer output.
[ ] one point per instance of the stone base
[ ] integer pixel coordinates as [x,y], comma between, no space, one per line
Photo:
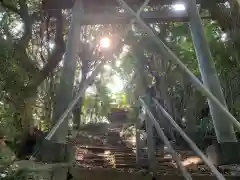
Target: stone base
[110,174]
[224,153]
[54,152]
[56,171]
[233,170]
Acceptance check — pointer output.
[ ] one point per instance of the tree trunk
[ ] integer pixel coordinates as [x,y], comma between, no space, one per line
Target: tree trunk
[64,94]
[165,99]
[228,19]
[85,56]
[191,118]
[77,112]
[24,113]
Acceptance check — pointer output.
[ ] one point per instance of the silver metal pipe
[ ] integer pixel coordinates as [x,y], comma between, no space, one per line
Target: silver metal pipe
[190,142]
[185,173]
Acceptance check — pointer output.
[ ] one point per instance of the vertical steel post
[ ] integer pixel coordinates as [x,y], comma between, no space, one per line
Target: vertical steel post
[150,138]
[223,127]
[65,89]
[141,80]
[138,148]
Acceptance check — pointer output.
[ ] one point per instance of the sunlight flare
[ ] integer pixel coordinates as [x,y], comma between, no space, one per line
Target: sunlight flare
[118,63]
[116,84]
[223,37]
[105,42]
[107,67]
[179,7]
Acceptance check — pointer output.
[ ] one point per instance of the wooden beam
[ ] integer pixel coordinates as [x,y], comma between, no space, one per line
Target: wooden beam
[89,4]
[123,18]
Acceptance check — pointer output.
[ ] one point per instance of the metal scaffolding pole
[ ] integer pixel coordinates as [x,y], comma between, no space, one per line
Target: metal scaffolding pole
[223,128]
[150,137]
[160,132]
[65,88]
[189,141]
[137,135]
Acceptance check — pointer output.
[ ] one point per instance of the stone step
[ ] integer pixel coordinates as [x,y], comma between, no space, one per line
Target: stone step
[133,165]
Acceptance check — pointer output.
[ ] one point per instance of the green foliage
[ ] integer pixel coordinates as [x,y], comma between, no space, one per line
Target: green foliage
[21,174]
[205,128]
[97,106]
[8,127]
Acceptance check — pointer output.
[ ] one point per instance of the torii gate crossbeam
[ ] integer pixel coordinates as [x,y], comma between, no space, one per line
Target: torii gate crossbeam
[93,4]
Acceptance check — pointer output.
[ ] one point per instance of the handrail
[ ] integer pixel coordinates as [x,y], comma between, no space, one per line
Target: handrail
[190,142]
[185,173]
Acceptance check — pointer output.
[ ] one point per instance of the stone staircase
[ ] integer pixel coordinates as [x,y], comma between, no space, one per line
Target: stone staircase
[108,150]
[104,156]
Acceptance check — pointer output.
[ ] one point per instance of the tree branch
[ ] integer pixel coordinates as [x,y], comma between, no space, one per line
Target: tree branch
[227,18]
[58,51]
[53,59]
[28,22]
[20,47]
[9,6]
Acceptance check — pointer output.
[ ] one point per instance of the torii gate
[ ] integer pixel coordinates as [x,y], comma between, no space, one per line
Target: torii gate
[83,14]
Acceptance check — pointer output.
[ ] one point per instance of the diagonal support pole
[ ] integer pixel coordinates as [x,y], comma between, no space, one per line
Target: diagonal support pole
[169,54]
[150,138]
[160,132]
[189,141]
